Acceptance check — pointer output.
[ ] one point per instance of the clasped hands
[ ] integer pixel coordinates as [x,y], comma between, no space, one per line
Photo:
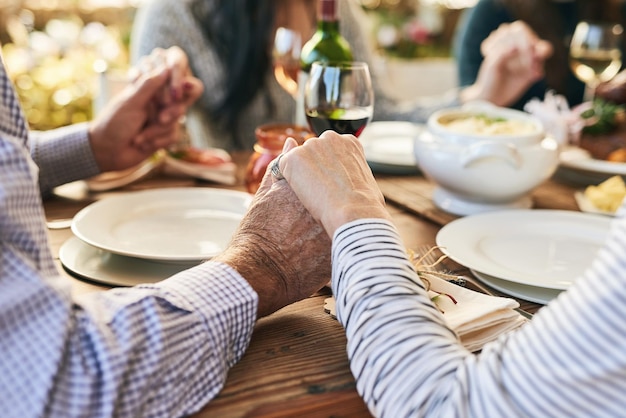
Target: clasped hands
[283,245]
[514,58]
[144,116]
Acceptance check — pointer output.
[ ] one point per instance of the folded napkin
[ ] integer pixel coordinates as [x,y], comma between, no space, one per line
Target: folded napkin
[213,165]
[221,170]
[477,318]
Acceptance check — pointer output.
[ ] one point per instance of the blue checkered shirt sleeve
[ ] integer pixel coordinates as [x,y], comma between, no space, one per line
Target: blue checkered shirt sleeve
[154,350]
[62,155]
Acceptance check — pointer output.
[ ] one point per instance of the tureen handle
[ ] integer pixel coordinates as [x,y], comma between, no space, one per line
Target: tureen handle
[482,150]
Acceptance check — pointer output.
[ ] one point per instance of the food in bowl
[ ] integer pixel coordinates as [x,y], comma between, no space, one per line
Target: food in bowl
[483,124]
[476,171]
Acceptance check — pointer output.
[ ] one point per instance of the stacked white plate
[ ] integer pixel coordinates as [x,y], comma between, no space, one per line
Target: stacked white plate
[388,146]
[147,236]
[578,159]
[577,166]
[529,254]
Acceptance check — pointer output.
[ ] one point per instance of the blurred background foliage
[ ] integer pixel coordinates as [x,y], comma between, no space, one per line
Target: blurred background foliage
[413,29]
[56,50]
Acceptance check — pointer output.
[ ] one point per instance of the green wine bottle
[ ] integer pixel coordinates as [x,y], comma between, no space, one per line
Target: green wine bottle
[326,45]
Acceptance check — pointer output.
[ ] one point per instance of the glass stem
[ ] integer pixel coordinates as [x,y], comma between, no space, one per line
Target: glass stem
[590,91]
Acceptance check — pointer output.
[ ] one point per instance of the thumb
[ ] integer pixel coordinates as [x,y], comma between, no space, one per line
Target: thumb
[148,86]
[543,49]
[290,143]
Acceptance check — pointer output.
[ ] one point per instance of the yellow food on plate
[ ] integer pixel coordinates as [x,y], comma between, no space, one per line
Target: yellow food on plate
[607,195]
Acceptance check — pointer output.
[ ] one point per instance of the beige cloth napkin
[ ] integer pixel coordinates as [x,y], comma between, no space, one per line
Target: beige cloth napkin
[223,172]
[475,317]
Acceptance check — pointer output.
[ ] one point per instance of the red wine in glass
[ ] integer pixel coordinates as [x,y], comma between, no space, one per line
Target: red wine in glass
[339,96]
[342,121]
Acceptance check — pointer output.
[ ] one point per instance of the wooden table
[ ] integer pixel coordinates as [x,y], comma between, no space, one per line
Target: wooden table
[296,364]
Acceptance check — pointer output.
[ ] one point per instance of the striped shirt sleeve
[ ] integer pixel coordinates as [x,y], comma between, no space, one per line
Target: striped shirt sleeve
[569,361]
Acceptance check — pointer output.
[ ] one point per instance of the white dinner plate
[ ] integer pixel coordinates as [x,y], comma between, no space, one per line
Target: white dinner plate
[535,294]
[577,158]
[174,224]
[542,248]
[388,146]
[94,264]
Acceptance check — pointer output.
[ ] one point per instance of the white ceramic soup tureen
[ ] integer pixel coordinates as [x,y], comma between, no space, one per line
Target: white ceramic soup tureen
[484,157]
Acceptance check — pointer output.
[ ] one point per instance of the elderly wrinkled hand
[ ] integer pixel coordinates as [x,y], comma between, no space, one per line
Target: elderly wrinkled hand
[331,178]
[279,248]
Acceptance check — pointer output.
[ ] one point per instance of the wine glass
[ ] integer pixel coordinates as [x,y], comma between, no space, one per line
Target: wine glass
[286,59]
[339,96]
[595,54]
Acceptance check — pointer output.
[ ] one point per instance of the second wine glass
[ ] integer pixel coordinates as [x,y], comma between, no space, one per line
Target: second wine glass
[339,96]
[595,54]
[286,59]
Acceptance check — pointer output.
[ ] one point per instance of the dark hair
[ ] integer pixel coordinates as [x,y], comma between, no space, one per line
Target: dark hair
[543,17]
[241,32]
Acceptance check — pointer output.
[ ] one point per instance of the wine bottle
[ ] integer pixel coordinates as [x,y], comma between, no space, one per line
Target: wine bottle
[326,45]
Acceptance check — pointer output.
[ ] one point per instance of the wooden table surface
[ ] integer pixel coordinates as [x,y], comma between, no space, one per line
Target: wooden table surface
[296,364]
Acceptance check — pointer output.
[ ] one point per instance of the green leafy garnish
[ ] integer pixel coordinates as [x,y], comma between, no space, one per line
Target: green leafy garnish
[490,119]
[601,117]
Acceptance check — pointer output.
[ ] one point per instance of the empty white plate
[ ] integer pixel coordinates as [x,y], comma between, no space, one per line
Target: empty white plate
[522,291]
[388,146]
[579,159]
[175,224]
[541,248]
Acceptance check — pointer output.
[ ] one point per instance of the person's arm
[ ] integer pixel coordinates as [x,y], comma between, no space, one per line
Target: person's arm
[407,363]
[569,361]
[153,350]
[162,348]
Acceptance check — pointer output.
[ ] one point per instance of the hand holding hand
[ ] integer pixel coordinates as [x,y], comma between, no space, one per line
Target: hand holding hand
[514,60]
[139,120]
[279,248]
[182,90]
[331,178]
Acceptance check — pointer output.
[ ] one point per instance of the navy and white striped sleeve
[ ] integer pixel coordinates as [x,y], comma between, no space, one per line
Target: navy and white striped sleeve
[569,361]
